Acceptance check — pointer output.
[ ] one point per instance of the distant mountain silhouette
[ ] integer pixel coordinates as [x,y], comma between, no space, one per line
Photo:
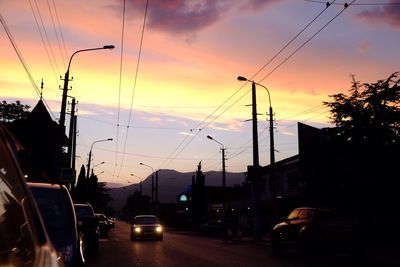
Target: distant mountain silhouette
[170,184]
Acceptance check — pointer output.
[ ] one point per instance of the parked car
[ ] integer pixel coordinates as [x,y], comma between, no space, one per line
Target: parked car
[212,227]
[23,237]
[88,227]
[146,227]
[104,224]
[314,229]
[57,210]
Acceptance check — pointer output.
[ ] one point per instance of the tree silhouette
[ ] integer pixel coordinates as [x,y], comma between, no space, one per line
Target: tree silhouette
[368,137]
[370,114]
[10,112]
[81,187]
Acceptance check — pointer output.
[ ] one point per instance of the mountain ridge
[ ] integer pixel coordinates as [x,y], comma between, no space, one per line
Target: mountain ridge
[170,184]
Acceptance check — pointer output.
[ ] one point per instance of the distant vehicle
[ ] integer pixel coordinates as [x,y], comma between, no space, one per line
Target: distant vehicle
[23,237]
[212,227]
[57,210]
[146,227]
[314,229]
[104,224]
[88,227]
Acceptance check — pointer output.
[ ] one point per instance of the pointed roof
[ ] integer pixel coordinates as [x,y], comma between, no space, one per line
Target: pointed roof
[40,113]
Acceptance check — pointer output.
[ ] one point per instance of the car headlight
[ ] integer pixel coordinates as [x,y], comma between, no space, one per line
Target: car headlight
[137,230]
[158,229]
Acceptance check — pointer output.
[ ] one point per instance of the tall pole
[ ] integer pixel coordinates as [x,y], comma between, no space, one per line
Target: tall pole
[256,168]
[156,187]
[223,173]
[271,136]
[255,130]
[152,181]
[71,133]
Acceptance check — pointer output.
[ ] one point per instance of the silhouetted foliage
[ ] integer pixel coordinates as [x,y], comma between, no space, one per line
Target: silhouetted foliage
[366,144]
[10,112]
[370,114]
[81,187]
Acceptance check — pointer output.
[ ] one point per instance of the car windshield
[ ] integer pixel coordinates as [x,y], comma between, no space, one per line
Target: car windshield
[83,211]
[146,220]
[53,206]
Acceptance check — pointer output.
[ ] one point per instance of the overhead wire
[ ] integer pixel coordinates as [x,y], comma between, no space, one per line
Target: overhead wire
[355,4]
[45,39]
[56,33]
[207,122]
[134,84]
[23,63]
[307,41]
[120,85]
[60,29]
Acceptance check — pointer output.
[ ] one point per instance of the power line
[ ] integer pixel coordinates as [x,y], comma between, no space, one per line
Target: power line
[22,61]
[135,80]
[355,4]
[56,33]
[199,125]
[307,41]
[120,85]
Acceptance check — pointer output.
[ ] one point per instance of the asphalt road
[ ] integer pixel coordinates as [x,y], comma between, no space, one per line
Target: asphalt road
[183,249]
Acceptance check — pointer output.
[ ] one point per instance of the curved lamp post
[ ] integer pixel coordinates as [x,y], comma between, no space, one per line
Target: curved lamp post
[66,80]
[90,154]
[271,122]
[140,183]
[223,171]
[101,163]
[152,181]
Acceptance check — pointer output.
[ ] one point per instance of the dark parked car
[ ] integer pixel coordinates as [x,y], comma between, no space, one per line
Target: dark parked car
[23,238]
[212,227]
[57,210]
[314,229]
[88,227]
[146,227]
[104,224]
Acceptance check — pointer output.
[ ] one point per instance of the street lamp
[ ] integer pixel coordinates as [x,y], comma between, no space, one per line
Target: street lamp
[97,165]
[223,161]
[223,171]
[140,183]
[66,80]
[152,181]
[271,122]
[90,154]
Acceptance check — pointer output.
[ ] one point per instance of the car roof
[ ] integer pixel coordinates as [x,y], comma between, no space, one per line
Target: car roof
[143,216]
[46,185]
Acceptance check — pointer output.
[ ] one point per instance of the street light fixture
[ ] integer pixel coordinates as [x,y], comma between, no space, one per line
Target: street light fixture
[97,165]
[90,154]
[223,171]
[66,80]
[152,181]
[140,183]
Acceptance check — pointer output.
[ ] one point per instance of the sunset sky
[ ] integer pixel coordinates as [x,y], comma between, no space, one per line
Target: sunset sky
[159,107]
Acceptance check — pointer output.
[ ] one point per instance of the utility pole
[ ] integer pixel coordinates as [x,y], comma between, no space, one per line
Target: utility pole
[71,132]
[271,136]
[156,189]
[254,170]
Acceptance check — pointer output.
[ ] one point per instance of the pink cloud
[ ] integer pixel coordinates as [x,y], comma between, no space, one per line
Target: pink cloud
[188,17]
[388,14]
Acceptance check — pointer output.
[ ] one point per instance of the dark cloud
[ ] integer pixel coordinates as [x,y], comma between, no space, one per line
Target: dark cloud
[189,16]
[388,14]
